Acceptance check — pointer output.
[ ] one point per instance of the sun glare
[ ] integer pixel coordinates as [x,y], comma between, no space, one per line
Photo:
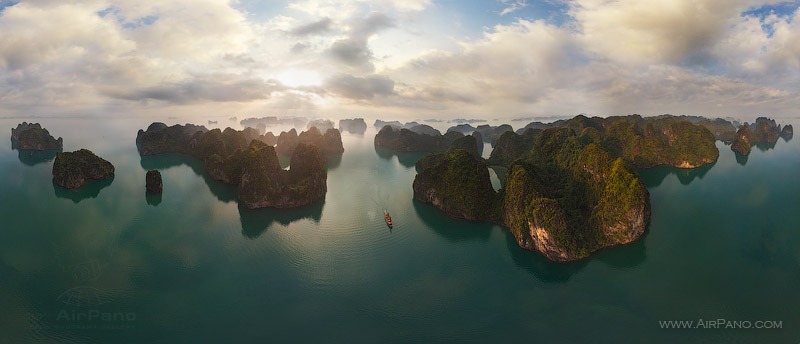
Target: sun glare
[299,78]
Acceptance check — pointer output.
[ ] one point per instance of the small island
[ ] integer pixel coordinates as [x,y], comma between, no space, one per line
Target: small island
[153,182]
[242,159]
[787,132]
[73,170]
[31,136]
[355,125]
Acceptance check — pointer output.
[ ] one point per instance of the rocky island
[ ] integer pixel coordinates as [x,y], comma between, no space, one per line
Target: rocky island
[571,187]
[642,142]
[320,124]
[488,133]
[31,136]
[565,199]
[787,132]
[72,170]
[764,130]
[253,167]
[153,182]
[406,140]
[355,126]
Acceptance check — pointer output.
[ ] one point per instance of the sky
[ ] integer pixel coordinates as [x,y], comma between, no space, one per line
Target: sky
[396,59]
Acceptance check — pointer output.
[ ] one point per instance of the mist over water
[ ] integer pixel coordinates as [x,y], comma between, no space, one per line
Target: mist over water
[108,263]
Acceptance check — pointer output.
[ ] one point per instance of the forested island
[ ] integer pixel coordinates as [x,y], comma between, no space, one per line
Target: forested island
[764,130]
[31,136]
[73,170]
[571,186]
[249,160]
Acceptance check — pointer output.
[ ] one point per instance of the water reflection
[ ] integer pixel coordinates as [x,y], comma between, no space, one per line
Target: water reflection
[153,199]
[626,256]
[772,246]
[35,157]
[542,268]
[653,177]
[90,190]
[741,159]
[256,221]
[354,131]
[500,171]
[407,159]
[221,191]
[765,146]
[334,162]
[443,225]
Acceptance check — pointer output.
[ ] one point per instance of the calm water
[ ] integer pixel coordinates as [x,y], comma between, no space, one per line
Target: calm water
[108,263]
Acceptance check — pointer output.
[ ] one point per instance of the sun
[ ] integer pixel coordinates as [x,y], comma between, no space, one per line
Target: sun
[299,78]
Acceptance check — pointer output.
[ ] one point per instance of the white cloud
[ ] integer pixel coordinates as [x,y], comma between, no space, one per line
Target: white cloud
[608,57]
[513,6]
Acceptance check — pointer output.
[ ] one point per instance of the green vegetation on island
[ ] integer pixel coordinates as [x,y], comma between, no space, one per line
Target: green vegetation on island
[31,136]
[741,143]
[571,186]
[252,165]
[564,198]
[764,130]
[458,183]
[405,140]
[642,142]
[72,170]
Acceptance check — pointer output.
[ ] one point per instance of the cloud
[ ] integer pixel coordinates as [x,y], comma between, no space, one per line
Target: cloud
[354,51]
[298,48]
[318,27]
[512,6]
[218,89]
[657,31]
[360,88]
[495,69]
[604,56]
[330,8]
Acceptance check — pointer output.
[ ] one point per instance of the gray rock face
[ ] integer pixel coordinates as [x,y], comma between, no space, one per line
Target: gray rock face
[153,182]
[356,125]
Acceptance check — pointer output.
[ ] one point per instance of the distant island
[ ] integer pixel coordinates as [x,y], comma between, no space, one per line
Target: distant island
[73,170]
[271,121]
[355,125]
[764,130]
[31,136]
[407,140]
[488,133]
[249,160]
[413,126]
[571,186]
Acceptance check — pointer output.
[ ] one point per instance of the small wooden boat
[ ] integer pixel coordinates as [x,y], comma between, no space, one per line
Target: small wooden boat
[387,218]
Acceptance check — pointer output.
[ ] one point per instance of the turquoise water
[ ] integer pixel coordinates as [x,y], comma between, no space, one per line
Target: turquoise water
[110,264]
